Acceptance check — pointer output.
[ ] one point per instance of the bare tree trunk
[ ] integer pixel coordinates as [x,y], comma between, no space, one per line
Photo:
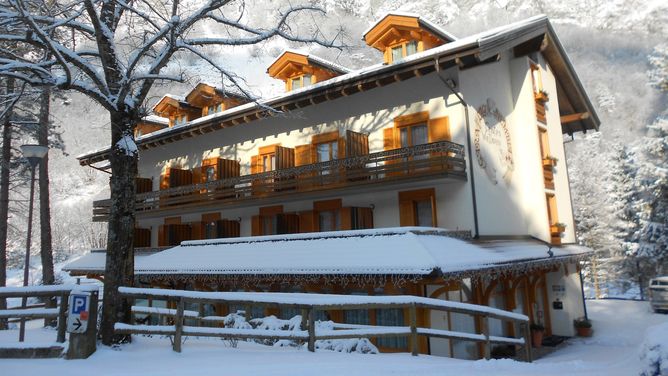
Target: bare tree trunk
[46,251]
[5,159]
[119,270]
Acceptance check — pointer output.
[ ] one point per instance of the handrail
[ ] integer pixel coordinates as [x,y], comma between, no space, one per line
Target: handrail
[441,157]
[310,303]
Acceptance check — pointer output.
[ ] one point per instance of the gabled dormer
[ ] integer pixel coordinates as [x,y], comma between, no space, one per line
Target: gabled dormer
[398,35]
[298,69]
[176,109]
[212,99]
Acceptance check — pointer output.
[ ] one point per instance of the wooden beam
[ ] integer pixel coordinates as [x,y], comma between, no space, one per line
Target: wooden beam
[565,119]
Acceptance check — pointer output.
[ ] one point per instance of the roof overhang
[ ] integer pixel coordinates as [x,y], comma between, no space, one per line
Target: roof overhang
[393,24]
[463,52]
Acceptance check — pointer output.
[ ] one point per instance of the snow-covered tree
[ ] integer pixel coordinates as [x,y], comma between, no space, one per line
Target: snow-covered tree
[116,50]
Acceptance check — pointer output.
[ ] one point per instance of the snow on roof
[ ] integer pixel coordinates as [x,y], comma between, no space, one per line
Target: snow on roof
[438,31]
[94,262]
[156,119]
[318,60]
[392,251]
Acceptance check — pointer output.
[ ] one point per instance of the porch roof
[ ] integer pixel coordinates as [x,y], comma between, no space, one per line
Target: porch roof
[410,251]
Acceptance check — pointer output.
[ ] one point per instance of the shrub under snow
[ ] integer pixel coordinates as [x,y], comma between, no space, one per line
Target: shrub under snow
[654,351]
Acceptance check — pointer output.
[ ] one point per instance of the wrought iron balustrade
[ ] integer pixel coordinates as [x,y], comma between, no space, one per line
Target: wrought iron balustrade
[435,159]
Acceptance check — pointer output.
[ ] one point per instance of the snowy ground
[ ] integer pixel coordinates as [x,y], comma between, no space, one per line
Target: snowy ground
[620,328]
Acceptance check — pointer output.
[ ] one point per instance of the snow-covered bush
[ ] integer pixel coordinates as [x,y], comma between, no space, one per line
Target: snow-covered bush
[654,351]
[238,321]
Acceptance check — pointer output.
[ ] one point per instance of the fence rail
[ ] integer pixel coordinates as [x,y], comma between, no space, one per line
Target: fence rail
[309,304]
[420,161]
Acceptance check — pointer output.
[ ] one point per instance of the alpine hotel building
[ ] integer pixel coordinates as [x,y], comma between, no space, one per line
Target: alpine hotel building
[438,172]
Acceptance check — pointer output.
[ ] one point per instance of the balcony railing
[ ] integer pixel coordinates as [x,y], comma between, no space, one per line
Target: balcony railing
[436,159]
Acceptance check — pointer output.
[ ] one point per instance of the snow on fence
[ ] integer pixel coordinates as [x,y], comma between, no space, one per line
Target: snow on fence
[49,291]
[309,304]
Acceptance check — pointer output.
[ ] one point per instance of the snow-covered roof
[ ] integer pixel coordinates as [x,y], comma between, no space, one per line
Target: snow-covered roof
[95,261]
[315,59]
[156,119]
[435,29]
[390,251]
[487,43]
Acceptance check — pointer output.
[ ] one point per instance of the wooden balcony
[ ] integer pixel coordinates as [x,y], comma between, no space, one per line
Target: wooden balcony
[437,159]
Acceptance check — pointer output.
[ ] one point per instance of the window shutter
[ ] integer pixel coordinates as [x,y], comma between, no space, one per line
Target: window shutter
[346,219]
[406,213]
[164,179]
[303,155]
[388,139]
[254,164]
[356,144]
[142,237]
[342,148]
[439,129]
[285,157]
[161,236]
[307,221]
[197,175]
[228,228]
[228,168]
[256,225]
[143,185]
[196,230]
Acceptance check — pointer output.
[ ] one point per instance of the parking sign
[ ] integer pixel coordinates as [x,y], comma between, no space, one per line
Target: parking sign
[77,318]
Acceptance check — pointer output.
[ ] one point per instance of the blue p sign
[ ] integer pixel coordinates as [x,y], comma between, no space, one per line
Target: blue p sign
[79,304]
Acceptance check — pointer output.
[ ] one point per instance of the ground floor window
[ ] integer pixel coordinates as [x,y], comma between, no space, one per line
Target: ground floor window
[391,317]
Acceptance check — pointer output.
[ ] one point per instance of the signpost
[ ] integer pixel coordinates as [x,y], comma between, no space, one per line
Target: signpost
[77,319]
[81,323]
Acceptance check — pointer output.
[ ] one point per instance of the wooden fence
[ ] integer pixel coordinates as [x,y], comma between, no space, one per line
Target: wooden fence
[309,304]
[29,313]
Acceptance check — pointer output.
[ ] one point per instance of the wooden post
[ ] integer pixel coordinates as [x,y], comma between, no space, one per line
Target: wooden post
[304,323]
[526,334]
[178,325]
[485,331]
[62,317]
[413,323]
[311,330]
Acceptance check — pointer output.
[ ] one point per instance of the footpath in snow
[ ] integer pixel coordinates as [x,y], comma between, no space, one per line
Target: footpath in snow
[621,328]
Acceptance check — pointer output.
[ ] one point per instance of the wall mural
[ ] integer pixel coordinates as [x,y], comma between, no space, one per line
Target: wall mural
[491,139]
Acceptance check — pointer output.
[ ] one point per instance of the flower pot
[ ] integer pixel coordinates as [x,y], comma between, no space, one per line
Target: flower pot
[584,332]
[537,338]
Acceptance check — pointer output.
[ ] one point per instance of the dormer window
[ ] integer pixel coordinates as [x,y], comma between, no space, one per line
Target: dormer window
[180,119]
[215,108]
[299,70]
[400,35]
[300,82]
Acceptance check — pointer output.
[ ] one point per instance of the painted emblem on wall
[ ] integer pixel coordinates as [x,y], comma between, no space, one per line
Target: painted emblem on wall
[491,139]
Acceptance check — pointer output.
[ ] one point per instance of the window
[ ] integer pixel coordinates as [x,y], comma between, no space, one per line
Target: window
[180,119]
[391,317]
[272,221]
[329,220]
[397,53]
[215,108]
[415,134]
[301,81]
[411,48]
[327,151]
[402,50]
[418,208]
[209,173]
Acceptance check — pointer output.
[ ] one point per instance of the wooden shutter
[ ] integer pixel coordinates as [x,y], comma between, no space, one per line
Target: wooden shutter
[346,219]
[179,177]
[256,225]
[361,218]
[162,242]
[197,230]
[228,228]
[228,168]
[164,179]
[254,164]
[439,129]
[356,144]
[142,237]
[303,155]
[143,185]
[389,139]
[285,157]
[341,148]
[307,221]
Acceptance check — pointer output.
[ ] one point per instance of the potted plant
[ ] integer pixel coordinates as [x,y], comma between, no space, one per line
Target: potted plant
[541,96]
[537,333]
[550,161]
[557,229]
[583,327]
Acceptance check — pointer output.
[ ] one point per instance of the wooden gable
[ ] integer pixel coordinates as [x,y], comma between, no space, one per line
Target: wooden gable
[394,30]
[205,95]
[293,64]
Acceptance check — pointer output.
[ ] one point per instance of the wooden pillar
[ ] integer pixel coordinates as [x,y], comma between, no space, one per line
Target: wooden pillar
[311,330]
[62,317]
[413,324]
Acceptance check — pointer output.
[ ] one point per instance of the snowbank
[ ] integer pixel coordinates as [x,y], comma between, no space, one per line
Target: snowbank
[654,351]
